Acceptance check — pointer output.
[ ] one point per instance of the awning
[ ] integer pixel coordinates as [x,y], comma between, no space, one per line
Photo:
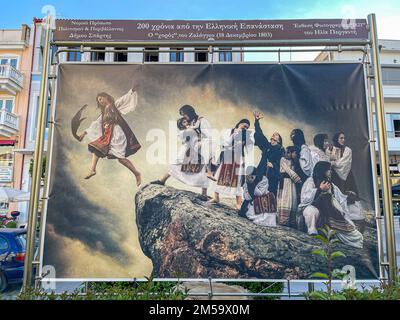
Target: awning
[7,142]
[13,195]
[24,151]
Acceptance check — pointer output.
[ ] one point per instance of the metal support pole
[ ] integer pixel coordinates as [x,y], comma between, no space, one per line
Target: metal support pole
[383,151]
[377,216]
[210,293]
[46,191]
[37,164]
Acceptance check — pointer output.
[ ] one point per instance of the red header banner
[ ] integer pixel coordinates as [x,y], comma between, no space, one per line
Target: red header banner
[208,30]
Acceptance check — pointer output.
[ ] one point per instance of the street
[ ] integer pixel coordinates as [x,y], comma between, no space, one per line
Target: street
[11,292]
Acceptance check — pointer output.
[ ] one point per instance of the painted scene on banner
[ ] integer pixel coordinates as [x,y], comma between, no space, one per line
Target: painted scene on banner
[197,171]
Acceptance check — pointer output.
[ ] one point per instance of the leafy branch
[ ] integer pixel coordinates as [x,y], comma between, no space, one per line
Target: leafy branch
[328,239]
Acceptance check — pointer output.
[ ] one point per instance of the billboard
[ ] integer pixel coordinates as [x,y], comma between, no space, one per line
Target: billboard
[196,171]
[209,30]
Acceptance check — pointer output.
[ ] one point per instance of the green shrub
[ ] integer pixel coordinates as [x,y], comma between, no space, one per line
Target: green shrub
[147,290]
[385,291]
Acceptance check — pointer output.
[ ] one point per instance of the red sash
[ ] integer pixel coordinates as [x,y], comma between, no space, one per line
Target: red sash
[229,175]
[192,167]
[102,144]
[265,203]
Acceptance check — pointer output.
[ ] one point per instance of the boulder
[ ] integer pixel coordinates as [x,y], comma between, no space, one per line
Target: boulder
[185,237]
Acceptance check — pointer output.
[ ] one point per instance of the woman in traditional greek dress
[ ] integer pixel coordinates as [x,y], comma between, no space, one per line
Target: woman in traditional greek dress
[287,200]
[340,156]
[259,204]
[318,150]
[322,203]
[272,151]
[188,167]
[297,137]
[196,136]
[236,144]
[110,135]
[342,176]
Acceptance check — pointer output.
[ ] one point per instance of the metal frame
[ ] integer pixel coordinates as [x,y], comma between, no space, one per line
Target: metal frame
[378,216]
[383,153]
[331,46]
[190,44]
[49,164]
[210,50]
[37,167]
[211,293]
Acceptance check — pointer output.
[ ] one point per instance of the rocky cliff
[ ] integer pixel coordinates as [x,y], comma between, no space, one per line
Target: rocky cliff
[186,237]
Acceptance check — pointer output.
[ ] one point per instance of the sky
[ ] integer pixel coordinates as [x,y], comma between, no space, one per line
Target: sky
[14,13]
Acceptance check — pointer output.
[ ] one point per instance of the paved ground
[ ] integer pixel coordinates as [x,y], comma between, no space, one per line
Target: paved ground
[11,292]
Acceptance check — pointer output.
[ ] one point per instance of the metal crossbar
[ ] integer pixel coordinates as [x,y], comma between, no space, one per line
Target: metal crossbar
[213,293]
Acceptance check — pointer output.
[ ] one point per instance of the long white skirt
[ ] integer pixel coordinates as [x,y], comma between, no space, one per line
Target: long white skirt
[228,192]
[191,179]
[263,219]
[353,238]
[118,142]
[355,211]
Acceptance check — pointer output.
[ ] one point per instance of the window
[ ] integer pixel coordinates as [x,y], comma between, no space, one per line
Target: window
[53,52]
[378,170]
[7,104]
[9,61]
[35,119]
[74,55]
[6,169]
[121,56]
[33,132]
[176,56]
[3,245]
[225,56]
[394,159]
[391,76]
[151,56]
[98,56]
[396,127]
[201,56]
[21,238]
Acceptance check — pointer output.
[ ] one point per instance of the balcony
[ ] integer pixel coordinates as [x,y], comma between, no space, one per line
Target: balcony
[9,124]
[11,80]
[15,39]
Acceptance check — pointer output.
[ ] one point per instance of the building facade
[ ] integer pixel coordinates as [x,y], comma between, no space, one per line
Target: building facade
[15,74]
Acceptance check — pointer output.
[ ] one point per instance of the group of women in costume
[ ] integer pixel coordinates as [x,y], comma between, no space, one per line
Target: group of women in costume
[315,182]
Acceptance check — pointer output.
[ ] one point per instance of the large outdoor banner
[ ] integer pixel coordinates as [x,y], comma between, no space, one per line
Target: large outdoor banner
[222,171]
[206,30]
